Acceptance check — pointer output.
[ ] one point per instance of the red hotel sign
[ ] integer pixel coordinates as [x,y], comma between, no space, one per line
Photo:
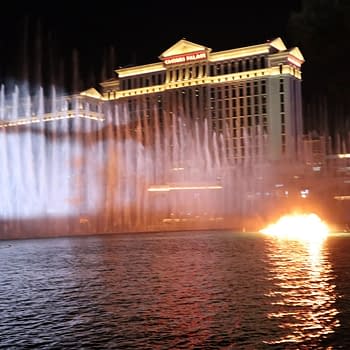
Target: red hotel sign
[187,57]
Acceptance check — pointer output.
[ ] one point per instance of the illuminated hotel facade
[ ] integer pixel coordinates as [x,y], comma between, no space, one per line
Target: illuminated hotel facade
[251,95]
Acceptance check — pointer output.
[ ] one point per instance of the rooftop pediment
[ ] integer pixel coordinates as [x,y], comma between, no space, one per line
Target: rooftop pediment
[297,54]
[278,44]
[92,92]
[183,46]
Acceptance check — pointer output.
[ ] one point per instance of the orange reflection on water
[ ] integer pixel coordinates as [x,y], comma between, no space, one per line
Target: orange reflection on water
[303,290]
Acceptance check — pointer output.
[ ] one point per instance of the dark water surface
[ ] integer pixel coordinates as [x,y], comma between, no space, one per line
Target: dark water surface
[185,290]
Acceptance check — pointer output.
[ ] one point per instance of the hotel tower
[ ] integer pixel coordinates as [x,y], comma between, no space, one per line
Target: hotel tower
[251,95]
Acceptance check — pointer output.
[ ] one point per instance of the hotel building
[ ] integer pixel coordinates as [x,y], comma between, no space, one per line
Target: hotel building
[252,95]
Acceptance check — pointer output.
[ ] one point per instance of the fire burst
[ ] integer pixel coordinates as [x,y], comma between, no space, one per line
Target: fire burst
[298,226]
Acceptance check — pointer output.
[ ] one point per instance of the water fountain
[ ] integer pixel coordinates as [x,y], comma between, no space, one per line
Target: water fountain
[75,165]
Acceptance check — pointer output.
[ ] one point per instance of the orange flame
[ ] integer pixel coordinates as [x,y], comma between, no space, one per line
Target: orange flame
[298,226]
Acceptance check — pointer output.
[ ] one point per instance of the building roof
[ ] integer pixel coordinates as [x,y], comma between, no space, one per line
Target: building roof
[92,92]
[184,48]
[181,47]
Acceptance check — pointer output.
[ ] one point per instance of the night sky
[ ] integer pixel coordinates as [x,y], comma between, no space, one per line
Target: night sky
[76,45]
[90,40]
[138,32]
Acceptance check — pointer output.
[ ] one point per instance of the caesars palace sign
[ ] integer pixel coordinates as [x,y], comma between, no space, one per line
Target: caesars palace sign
[188,57]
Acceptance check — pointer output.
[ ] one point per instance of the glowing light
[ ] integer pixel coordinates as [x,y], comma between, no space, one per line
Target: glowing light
[178,168]
[50,117]
[342,198]
[166,188]
[345,155]
[298,226]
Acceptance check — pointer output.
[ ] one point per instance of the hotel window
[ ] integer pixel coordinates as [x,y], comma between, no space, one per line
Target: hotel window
[220,125]
[148,103]
[256,89]
[184,75]
[281,85]
[248,92]
[211,70]
[226,68]
[284,140]
[262,62]
[233,67]
[196,70]
[227,92]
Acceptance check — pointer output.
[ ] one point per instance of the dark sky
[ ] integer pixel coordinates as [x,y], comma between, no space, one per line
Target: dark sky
[139,31]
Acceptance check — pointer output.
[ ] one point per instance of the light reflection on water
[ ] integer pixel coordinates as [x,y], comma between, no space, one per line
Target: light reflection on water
[303,296]
[184,290]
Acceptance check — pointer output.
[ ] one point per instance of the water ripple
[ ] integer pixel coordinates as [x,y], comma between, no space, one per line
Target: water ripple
[204,290]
